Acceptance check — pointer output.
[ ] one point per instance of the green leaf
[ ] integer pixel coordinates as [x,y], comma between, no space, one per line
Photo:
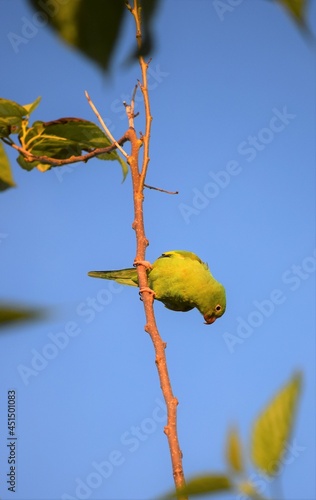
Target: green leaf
[6,177]
[92,26]
[33,105]
[63,138]
[11,116]
[272,429]
[11,313]
[5,127]
[11,108]
[40,143]
[296,9]
[248,489]
[202,485]
[85,133]
[234,451]
[122,163]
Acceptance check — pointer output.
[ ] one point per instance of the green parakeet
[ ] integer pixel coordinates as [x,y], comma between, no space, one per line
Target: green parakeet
[181,281]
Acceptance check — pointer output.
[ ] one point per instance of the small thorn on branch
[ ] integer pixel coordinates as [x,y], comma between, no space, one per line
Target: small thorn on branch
[161,190]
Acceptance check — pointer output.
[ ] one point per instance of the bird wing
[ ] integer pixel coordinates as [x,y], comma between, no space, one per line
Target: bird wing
[122,276]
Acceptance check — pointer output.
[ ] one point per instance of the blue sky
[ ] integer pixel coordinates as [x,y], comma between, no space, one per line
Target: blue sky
[234,132]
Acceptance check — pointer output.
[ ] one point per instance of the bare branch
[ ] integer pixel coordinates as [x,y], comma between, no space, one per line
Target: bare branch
[105,128]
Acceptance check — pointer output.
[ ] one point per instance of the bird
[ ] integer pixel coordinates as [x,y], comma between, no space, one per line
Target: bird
[180,280]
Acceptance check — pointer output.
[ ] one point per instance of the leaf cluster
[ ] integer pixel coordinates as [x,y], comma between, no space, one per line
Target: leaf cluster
[44,145]
[270,436]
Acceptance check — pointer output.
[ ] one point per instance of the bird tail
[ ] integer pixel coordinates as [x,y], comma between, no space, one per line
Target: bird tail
[122,276]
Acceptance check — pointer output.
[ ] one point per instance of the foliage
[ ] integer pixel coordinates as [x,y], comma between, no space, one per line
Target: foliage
[94,27]
[297,10]
[46,145]
[6,178]
[272,428]
[202,485]
[11,314]
[234,456]
[269,440]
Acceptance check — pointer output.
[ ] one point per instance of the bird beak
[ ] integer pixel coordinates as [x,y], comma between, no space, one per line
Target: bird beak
[210,320]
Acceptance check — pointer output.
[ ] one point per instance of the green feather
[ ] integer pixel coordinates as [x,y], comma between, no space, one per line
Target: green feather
[181,281]
[123,276]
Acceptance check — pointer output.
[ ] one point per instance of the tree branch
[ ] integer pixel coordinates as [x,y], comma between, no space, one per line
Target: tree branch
[29,157]
[138,181]
[105,128]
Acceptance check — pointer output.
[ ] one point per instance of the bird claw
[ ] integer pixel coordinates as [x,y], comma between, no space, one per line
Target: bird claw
[147,265]
[144,263]
[148,290]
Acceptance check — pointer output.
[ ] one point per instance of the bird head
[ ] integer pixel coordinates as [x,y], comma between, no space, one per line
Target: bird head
[217,313]
[217,307]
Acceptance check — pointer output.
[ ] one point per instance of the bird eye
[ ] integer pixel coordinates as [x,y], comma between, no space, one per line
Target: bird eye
[218,308]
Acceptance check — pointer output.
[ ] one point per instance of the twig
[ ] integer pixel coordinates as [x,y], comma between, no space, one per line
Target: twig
[129,108]
[105,128]
[161,190]
[138,181]
[29,157]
